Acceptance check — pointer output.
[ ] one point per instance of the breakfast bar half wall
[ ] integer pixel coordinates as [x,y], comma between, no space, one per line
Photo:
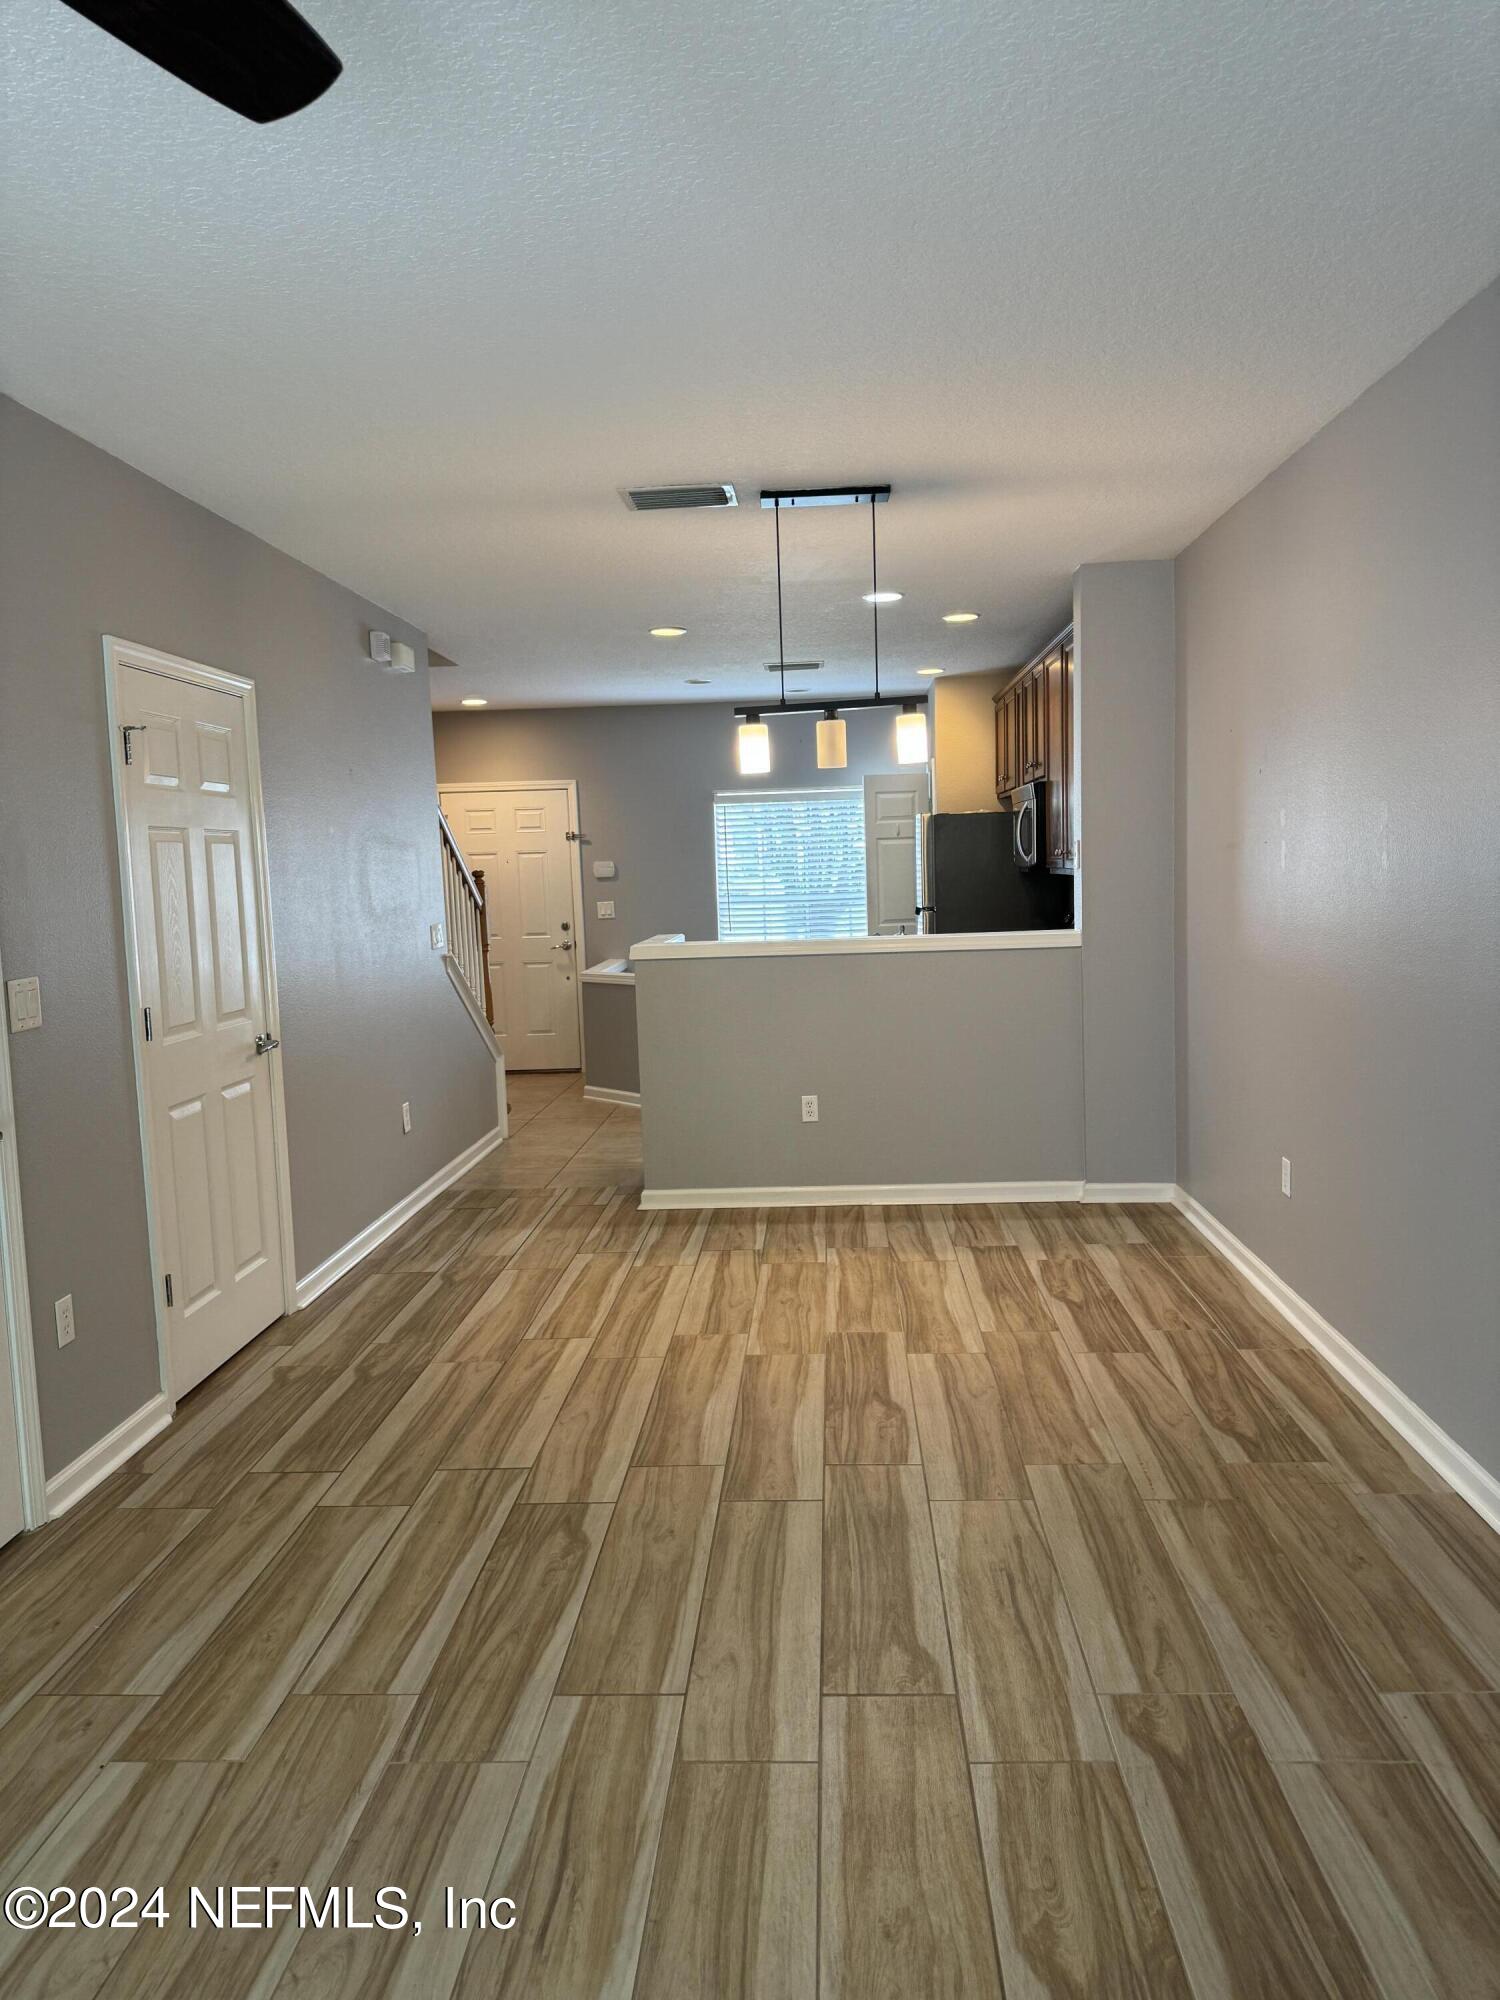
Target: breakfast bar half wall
[945,1068]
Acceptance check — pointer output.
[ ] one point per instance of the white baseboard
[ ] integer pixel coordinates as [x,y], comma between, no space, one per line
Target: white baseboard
[1129,1191]
[1446,1457]
[91,1467]
[876,1195]
[370,1238]
[602,1096]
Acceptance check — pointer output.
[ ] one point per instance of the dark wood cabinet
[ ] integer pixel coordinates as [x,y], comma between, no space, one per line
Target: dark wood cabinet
[1059,731]
[1034,722]
[1034,742]
[1007,743]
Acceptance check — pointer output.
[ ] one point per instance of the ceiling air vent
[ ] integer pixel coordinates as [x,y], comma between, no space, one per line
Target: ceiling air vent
[657,499]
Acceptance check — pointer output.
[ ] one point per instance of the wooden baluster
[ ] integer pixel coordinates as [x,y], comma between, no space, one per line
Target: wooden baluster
[484,948]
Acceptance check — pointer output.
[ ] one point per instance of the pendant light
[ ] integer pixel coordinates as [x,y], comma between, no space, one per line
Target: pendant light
[911,735]
[753,740]
[754,736]
[753,747]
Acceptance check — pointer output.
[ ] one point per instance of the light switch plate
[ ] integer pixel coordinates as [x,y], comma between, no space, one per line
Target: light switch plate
[439,937]
[25,1004]
[604,909]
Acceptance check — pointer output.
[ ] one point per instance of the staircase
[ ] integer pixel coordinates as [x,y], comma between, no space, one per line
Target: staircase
[468,929]
[467,957]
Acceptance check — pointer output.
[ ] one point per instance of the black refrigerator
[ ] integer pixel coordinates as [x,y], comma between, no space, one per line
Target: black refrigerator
[970,880]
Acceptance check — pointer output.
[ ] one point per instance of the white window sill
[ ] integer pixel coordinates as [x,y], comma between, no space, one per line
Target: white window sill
[877,947]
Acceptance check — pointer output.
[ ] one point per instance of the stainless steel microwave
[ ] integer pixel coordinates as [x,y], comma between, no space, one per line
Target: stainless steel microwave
[1030,823]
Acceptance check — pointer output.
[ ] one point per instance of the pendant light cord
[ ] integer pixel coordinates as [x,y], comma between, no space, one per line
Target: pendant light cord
[780,629]
[874,592]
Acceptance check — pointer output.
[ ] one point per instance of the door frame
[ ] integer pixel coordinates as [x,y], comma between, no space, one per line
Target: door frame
[15,1303]
[120,653]
[575,875]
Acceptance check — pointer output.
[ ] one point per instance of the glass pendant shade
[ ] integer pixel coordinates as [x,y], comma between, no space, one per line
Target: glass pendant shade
[754,747]
[833,744]
[911,737]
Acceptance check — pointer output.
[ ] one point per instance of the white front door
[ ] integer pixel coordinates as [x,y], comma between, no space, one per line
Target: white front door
[190,828]
[519,840]
[894,800]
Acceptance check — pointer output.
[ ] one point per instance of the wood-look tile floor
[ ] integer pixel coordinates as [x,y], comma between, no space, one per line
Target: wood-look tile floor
[924,1602]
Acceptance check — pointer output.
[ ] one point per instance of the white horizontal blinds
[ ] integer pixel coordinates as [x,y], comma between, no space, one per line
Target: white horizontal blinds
[790,864]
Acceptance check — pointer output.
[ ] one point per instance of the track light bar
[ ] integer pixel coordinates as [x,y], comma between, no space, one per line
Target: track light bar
[823,496]
[760,711]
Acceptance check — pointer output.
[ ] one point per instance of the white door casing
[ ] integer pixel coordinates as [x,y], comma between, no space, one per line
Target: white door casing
[518,835]
[23,1481]
[204,993]
[894,802]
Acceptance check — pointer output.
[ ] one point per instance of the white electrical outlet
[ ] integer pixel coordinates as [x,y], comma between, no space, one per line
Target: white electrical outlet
[439,937]
[809,1110]
[62,1312]
[1286,1176]
[405,1117]
[604,909]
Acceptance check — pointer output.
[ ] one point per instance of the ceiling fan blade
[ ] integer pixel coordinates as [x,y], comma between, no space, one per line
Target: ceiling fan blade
[257,57]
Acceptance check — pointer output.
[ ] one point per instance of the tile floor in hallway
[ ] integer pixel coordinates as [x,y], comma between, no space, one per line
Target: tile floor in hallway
[906,1602]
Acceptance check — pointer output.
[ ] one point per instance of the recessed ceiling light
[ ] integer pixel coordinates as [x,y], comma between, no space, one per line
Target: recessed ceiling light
[668,632]
[695,683]
[883,596]
[930,671]
[960,617]
[474,701]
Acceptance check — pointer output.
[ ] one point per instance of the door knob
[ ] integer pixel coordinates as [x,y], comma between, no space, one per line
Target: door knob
[567,945]
[265,1043]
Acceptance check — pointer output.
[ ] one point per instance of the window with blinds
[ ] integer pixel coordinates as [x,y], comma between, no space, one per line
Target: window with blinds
[790,864]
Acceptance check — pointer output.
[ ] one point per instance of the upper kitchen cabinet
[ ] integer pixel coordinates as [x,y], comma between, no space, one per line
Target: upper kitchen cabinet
[1033,723]
[1062,802]
[1034,744]
[1007,742]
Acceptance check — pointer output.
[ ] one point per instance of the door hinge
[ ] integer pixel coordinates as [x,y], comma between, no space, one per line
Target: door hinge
[127,730]
[572,836]
[168,1283]
[147,1012]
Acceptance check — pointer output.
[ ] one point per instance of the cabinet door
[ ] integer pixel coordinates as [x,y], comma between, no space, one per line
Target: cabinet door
[1070,760]
[1055,694]
[1034,724]
[1007,761]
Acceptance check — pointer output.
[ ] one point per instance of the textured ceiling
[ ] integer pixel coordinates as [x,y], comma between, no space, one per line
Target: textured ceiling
[1071,274]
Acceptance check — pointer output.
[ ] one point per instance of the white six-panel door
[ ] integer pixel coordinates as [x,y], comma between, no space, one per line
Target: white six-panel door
[894,802]
[190,836]
[518,838]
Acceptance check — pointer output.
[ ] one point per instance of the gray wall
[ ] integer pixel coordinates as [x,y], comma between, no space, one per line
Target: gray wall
[1339,873]
[1122,614]
[610,1058]
[88,547]
[930,1066]
[646,781]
